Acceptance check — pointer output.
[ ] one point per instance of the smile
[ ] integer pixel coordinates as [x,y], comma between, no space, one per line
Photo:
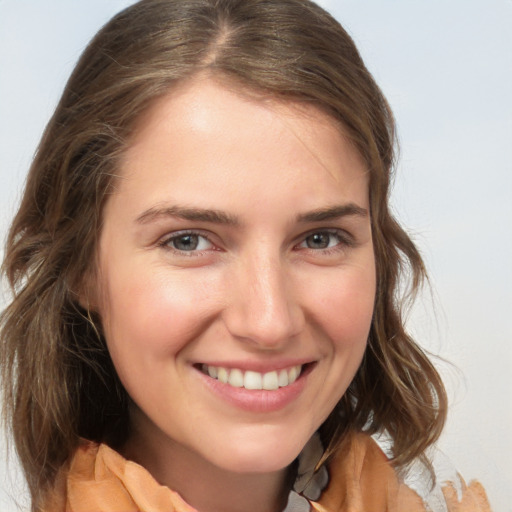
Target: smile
[268,381]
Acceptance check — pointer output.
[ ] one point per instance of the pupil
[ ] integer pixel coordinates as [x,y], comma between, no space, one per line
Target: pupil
[318,241]
[186,243]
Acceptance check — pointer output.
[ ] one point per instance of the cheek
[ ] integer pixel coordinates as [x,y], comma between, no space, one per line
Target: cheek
[148,316]
[345,309]
[341,313]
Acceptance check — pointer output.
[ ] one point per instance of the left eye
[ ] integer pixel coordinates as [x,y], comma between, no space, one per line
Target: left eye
[188,242]
[321,240]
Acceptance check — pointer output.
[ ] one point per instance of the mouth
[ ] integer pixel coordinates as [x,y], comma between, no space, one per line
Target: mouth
[269,381]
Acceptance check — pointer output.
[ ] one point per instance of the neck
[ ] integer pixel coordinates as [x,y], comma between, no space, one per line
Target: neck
[203,485]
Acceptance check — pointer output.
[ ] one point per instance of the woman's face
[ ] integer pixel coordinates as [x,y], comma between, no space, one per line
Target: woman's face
[236,275]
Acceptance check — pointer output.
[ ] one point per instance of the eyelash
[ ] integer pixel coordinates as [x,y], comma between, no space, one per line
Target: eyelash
[166,242]
[344,240]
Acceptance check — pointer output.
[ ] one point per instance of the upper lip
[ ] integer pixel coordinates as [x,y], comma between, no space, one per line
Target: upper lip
[258,366]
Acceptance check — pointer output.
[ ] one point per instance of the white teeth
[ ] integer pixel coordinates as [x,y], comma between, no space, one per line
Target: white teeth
[283,378]
[293,373]
[236,378]
[269,381]
[222,375]
[252,380]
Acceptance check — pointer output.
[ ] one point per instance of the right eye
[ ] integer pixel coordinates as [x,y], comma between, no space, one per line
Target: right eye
[321,240]
[187,242]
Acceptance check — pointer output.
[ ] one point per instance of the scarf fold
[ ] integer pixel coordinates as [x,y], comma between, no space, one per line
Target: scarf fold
[358,479]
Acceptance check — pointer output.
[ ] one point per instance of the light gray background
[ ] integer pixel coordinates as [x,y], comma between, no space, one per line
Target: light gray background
[446,68]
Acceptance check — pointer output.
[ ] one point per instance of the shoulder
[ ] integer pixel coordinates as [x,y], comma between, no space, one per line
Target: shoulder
[440,486]
[99,478]
[362,476]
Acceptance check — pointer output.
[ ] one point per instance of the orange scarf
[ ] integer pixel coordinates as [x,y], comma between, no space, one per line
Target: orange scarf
[361,480]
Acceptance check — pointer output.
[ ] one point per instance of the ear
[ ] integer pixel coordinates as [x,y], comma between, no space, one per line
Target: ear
[87,293]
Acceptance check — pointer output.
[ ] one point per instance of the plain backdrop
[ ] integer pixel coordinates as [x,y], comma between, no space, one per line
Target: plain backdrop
[446,68]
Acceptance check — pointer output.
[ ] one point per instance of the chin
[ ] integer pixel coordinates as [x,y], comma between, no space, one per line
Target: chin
[267,455]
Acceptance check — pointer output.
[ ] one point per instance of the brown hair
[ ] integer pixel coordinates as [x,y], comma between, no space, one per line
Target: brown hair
[58,380]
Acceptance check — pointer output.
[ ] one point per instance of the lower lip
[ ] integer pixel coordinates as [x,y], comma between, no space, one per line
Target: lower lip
[257,400]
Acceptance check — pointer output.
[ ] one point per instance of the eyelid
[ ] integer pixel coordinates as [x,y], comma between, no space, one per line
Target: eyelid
[346,239]
[164,241]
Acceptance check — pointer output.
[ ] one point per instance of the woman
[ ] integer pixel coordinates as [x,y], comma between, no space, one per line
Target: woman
[205,275]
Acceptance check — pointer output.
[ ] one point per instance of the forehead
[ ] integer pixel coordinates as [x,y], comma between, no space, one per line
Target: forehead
[197,105]
[207,135]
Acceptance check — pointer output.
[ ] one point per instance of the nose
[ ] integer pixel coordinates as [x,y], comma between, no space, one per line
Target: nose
[263,309]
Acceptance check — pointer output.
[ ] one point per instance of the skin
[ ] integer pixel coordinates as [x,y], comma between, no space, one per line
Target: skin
[270,284]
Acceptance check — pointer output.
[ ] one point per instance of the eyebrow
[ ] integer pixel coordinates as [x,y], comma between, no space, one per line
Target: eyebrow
[333,213]
[220,217]
[193,214]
